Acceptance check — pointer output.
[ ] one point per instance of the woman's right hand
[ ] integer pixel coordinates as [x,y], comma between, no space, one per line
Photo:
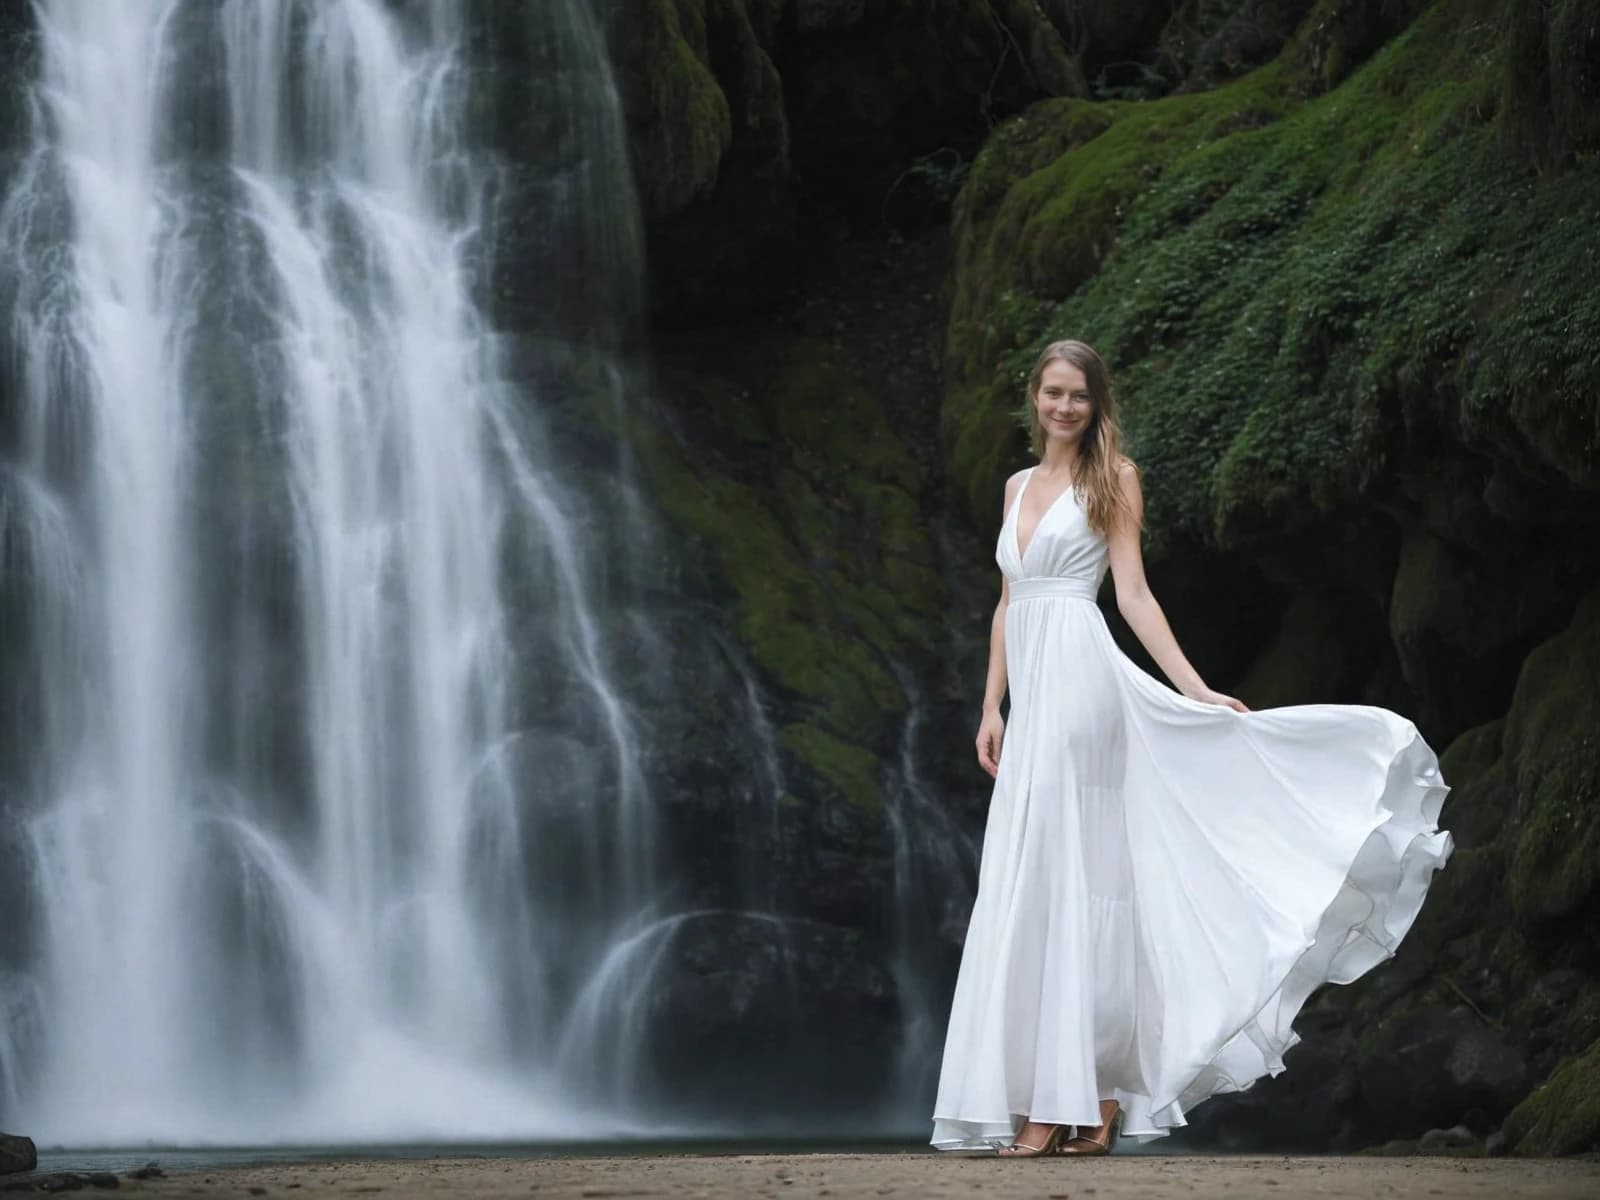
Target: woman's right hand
[991,732]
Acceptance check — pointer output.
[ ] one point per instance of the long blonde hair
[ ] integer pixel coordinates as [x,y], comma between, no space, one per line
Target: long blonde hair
[1100,454]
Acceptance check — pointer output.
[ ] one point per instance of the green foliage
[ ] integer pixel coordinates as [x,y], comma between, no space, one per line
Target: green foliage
[1038,221]
[1285,287]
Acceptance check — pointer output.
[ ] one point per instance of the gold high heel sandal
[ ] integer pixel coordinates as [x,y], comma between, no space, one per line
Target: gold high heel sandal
[1023,1150]
[1111,1129]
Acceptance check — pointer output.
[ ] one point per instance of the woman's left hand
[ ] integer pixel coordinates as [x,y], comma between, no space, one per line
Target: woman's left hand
[1211,696]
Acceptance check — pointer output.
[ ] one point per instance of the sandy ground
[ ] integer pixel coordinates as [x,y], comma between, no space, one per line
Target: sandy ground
[846,1176]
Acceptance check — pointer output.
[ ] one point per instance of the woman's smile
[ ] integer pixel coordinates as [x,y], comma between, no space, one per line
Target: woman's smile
[1062,402]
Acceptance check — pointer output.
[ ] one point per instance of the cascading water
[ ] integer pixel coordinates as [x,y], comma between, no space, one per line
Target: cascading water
[329,803]
[935,879]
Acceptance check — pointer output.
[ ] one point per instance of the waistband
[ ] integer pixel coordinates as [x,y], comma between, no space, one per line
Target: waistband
[1050,586]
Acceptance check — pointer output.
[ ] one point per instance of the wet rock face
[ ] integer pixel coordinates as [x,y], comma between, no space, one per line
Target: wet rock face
[17,1154]
[808,1004]
[750,120]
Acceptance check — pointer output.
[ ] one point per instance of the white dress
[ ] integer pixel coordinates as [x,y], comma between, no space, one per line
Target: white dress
[1164,882]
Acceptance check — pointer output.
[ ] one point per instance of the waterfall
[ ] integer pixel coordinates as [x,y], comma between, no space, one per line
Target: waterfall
[935,880]
[327,795]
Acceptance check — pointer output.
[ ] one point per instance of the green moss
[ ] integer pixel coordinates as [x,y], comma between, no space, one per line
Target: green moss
[1479,810]
[807,513]
[1553,737]
[1038,219]
[1282,285]
[1338,35]
[1563,1116]
[1470,756]
[1471,885]
[681,121]
[849,768]
[1413,1148]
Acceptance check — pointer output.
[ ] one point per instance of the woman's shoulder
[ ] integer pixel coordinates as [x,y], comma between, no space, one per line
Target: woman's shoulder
[1126,467]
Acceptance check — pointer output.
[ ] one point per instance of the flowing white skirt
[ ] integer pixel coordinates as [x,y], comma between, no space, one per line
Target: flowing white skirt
[1164,883]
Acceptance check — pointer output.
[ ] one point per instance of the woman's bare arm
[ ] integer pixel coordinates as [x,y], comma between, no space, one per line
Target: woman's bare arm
[991,726]
[1138,605]
[994,687]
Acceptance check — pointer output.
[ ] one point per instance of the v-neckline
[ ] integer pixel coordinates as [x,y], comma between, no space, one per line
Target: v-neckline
[1016,522]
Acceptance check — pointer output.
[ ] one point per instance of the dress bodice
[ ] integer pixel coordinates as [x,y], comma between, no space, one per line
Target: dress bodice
[1063,546]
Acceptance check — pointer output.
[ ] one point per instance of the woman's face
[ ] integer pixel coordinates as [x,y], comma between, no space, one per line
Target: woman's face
[1062,402]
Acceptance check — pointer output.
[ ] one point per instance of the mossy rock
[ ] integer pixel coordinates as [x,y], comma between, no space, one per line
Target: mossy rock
[1482,797]
[1413,1148]
[1289,288]
[803,504]
[1205,44]
[1562,1116]
[1553,738]
[853,771]
[679,118]
[1337,36]
[1552,82]
[1472,755]
[1461,624]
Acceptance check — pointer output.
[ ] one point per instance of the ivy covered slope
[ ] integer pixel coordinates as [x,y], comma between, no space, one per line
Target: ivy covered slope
[1353,306]
[1292,286]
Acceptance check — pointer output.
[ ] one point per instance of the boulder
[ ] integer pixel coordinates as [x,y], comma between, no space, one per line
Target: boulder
[1555,758]
[1303,1110]
[1462,623]
[1454,1138]
[1426,1067]
[1563,1115]
[17,1154]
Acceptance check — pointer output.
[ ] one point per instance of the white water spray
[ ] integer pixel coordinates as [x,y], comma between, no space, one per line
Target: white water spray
[284,520]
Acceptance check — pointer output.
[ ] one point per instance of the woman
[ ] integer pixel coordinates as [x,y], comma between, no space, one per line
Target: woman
[1165,877]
